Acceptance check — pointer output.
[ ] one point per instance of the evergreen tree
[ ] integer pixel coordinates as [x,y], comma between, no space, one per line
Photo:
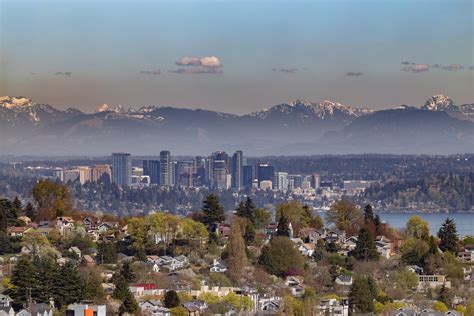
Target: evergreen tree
[30,211]
[445,295]
[24,282]
[433,246]
[280,255]
[127,272]
[122,293]
[283,228]
[70,285]
[107,252]
[369,214]
[365,246]
[249,234]
[362,294]
[171,299]
[448,236]
[237,257]
[17,205]
[212,212]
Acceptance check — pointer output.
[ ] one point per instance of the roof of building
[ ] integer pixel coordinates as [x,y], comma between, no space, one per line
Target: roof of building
[145,286]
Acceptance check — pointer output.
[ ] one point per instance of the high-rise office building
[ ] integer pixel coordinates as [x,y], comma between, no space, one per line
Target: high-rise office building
[247,176]
[265,172]
[316,182]
[122,169]
[152,168]
[220,170]
[237,176]
[200,171]
[165,169]
[281,181]
[101,173]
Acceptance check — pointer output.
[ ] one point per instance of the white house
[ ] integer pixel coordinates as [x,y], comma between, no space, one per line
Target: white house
[7,311]
[344,280]
[307,249]
[218,266]
[80,309]
[5,300]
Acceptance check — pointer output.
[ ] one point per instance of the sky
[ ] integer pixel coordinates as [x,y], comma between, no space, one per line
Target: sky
[236,56]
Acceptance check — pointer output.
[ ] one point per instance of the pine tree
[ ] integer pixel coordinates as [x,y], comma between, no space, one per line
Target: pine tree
[236,249]
[127,272]
[69,284]
[171,299]
[212,211]
[283,228]
[368,214]
[17,205]
[448,236]
[249,234]
[122,293]
[24,282]
[365,246]
[30,211]
[361,296]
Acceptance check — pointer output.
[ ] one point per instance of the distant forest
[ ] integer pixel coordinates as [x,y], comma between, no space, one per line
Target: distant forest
[449,191]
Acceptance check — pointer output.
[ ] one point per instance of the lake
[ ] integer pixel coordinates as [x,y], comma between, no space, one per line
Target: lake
[464,221]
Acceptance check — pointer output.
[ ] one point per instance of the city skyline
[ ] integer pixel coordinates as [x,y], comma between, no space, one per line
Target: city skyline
[366,54]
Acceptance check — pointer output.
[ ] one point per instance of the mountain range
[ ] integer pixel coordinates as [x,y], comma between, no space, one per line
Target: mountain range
[437,127]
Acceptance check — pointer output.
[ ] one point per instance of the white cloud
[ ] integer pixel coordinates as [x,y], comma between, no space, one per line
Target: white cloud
[206,61]
[416,68]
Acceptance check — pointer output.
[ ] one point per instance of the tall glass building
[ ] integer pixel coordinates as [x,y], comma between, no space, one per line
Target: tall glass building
[122,169]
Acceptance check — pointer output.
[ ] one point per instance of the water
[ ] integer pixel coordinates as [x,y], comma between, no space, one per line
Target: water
[464,221]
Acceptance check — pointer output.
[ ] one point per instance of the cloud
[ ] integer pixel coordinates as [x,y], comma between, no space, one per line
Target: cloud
[453,67]
[286,70]
[405,63]
[65,73]
[354,74]
[471,67]
[150,72]
[197,71]
[207,61]
[436,66]
[416,68]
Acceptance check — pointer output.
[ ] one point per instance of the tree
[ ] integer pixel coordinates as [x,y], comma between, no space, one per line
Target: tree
[171,299]
[249,233]
[23,280]
[445,295]
[30,211]
[262,218]
[236,249]
[414,251]
[448,236]
[247,210]
[239,302]
[417,228]
[365,246]
[345,216]
[283,227]
[369,214]
[70,285]
[52,198]
[362,294]
[280,255]
[440,307]
[212,211]
[106,252]
[127,272]
[123,294]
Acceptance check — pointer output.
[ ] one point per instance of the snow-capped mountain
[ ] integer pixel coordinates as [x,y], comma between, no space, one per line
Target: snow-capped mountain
[310,111]
[295,127]
[439,102]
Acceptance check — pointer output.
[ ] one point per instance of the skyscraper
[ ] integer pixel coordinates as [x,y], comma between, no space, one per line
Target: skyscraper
[152,168]
[265,172]
[237,176]
[281,181]
[220,170]
[247,176]
[122,169]
[165,168]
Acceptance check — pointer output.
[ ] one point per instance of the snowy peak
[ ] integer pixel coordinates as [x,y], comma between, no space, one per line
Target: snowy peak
[14,103]
[439,102]
[319,110]
[110,108]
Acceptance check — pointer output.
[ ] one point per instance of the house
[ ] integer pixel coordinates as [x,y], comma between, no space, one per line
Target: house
[307,249]
[149,305]
[332,306]
[142,289]
[415,269]
[64,223]
[88,260]
[350,243]
[295,284]
[17,231]
[37,310]
[5,300]
[76,251]
[105,226]
[45,231]
[191,309]
[466,257]
[335,236]
[344,279]
[198,305]
[7,311]
[403,312]
[80,309]
[218,266]
[223,230]
[316,235]
[430,312]
[297,241]
[432,282]
[171,263]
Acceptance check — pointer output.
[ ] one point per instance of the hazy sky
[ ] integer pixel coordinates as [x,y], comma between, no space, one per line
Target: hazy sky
[378,53]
